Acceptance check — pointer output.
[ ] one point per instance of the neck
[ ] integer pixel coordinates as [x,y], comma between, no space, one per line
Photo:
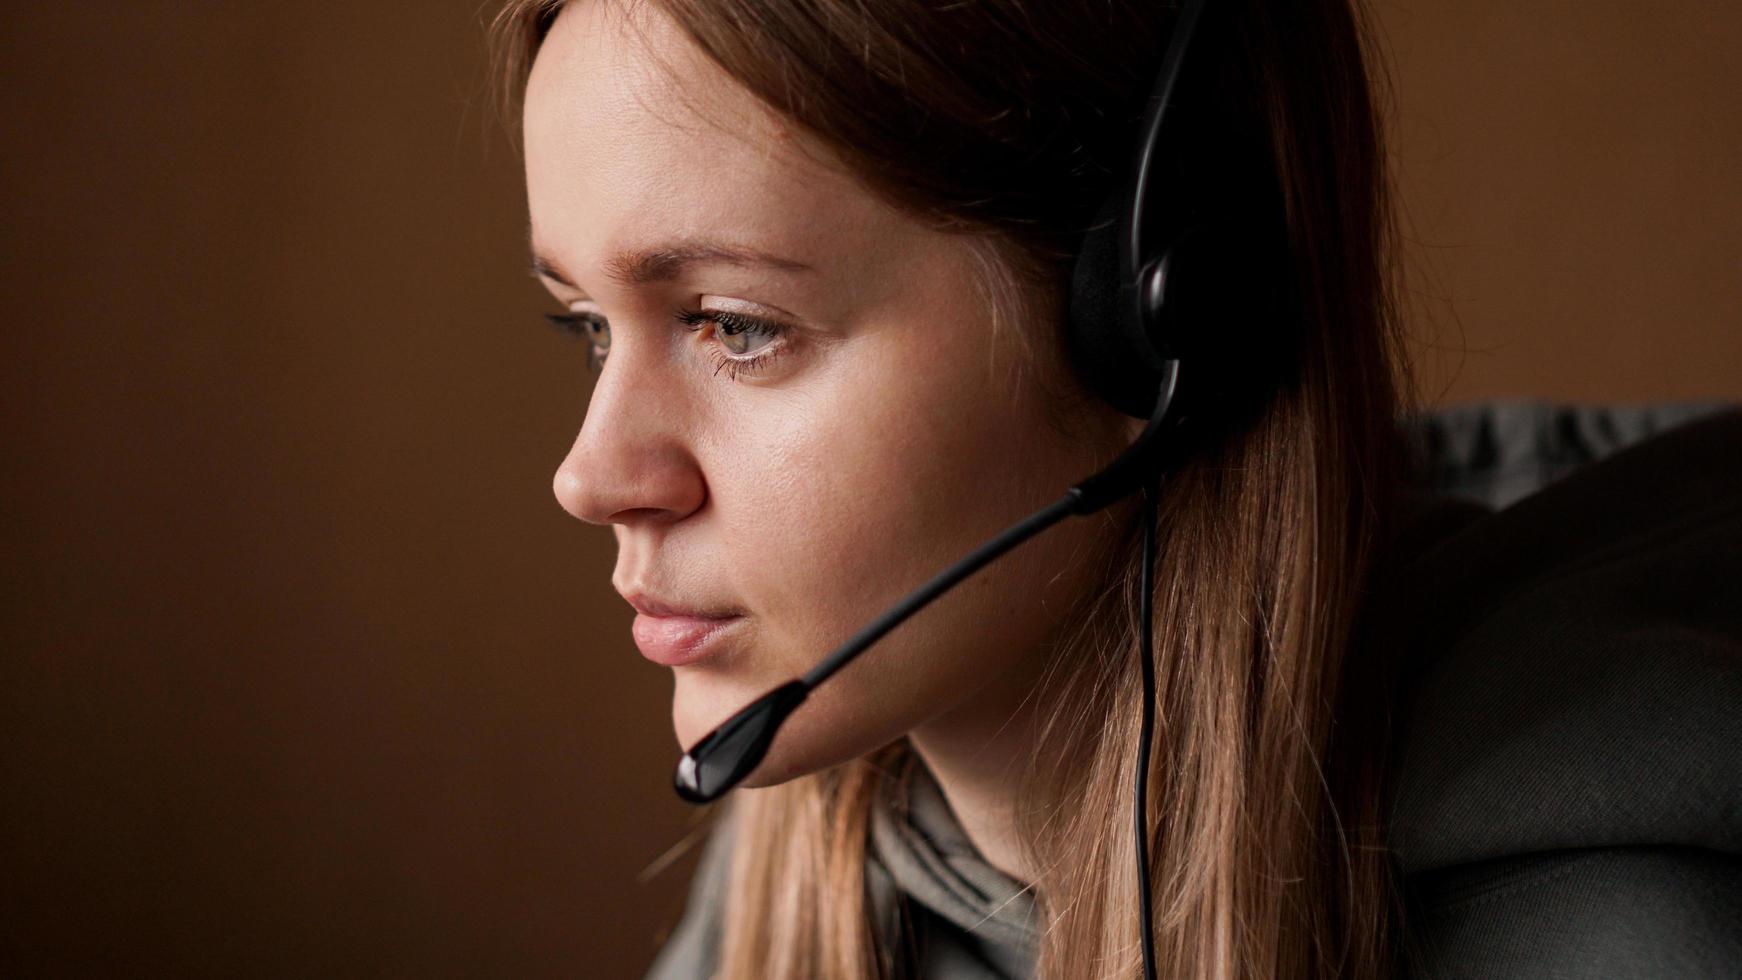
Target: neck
[977,752]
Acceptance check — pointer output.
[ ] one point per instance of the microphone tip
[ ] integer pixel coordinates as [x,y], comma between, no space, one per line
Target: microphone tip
[687,782]
[726,755]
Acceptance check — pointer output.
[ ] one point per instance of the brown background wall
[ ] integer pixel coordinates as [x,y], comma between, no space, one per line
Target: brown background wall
[302,671]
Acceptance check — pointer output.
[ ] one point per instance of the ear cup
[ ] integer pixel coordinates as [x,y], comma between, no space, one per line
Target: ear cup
[1215,300]
[1115,329]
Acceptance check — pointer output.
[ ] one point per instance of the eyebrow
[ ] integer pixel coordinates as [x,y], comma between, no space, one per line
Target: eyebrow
[663,263]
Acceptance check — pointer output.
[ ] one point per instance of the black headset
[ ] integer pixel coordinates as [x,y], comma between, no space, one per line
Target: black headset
[1128,307]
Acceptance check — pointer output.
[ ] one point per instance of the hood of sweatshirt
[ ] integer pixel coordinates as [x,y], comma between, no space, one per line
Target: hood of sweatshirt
[955,914]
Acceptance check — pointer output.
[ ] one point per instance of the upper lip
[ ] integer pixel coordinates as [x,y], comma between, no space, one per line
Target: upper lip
[649,605]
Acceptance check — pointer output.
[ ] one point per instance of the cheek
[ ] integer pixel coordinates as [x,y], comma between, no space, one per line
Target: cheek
[847,494]
[866,484]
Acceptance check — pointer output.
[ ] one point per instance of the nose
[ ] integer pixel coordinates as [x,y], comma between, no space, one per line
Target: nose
[631,462]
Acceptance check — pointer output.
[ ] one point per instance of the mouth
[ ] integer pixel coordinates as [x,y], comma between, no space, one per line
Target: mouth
[673,641]
[673,636]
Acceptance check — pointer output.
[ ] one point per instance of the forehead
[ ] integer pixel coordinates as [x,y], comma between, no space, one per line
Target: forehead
[633,135]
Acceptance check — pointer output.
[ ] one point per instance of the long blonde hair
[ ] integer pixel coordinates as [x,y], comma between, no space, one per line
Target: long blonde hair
[1267,773]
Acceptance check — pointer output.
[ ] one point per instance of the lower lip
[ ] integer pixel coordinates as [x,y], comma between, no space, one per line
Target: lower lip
[673,641]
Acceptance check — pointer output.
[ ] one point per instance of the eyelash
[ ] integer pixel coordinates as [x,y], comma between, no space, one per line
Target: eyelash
[581,324]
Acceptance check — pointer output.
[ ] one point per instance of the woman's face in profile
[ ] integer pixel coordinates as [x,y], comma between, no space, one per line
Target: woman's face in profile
[803,412]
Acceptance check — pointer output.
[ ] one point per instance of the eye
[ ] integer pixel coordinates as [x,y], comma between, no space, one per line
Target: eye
[746,343]
[589,326]
[740,335]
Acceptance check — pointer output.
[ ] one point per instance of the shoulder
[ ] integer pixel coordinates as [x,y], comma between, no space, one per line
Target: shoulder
[1617,912]
[1568,777]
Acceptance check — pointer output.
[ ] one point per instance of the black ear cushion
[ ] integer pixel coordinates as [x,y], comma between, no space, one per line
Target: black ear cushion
[1109,345]
[1224,316]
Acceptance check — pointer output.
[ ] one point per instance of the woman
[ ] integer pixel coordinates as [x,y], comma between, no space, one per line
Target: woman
[821,253]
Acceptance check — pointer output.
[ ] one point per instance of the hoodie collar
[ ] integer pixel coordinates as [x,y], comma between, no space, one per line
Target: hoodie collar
[920,853]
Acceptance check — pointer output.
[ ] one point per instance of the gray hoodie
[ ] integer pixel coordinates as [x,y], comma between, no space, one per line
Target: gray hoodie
[958,917]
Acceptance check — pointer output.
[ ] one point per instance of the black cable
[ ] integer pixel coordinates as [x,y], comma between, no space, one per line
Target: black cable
[1146,730]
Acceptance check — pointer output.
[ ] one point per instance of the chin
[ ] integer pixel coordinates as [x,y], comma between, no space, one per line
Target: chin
[702,699]
[807,743]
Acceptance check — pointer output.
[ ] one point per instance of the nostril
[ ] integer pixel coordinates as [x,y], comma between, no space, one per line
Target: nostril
[641,515]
